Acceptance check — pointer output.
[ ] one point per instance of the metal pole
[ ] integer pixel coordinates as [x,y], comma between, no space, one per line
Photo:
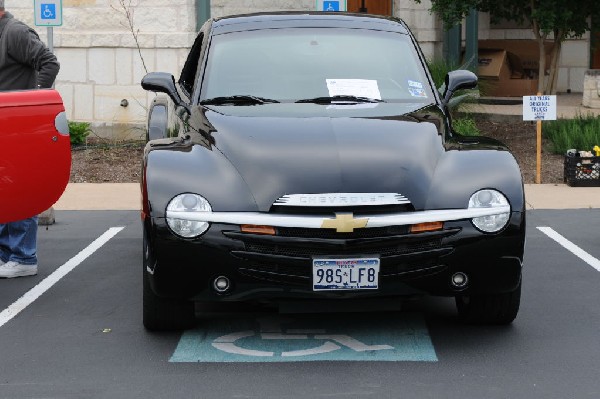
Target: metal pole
[51,38]
[202,13]
[452,43]
[472,40]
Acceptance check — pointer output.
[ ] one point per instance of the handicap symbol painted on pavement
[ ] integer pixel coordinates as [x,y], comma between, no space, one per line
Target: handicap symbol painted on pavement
[48,11]
[401,337]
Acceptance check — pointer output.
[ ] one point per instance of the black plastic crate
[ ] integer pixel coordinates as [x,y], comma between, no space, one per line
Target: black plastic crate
[582,171]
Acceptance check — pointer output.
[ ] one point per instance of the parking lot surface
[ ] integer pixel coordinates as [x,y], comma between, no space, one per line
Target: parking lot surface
[76,331]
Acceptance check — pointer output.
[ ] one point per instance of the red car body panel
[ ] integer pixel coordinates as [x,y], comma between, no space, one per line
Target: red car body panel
[35,148]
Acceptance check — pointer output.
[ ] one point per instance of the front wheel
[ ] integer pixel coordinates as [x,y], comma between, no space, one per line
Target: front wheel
[489,308]
[163,314]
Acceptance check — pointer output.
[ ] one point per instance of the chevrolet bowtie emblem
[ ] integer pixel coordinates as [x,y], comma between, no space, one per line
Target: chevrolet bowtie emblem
[344,223]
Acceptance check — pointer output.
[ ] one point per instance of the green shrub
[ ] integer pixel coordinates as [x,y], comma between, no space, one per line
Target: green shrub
[79,131]
[465,126]
[580,133]
[439,69]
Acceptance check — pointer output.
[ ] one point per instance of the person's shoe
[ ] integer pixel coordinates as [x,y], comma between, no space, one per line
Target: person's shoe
[14,269]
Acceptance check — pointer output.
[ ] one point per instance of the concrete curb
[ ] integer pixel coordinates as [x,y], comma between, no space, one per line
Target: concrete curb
[103,196]
[126,196]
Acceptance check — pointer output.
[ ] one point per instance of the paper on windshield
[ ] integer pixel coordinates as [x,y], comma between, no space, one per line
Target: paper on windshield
[353,87]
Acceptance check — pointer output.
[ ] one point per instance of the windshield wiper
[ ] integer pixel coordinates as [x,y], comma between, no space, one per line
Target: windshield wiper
[242,99]
[345,98]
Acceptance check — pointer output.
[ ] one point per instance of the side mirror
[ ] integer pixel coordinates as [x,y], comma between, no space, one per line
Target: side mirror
[162,82]
[458,80]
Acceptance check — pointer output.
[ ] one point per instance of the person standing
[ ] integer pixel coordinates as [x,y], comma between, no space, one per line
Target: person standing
[25,63]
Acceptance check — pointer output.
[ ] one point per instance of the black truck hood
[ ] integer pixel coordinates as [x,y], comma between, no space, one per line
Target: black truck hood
[284,149]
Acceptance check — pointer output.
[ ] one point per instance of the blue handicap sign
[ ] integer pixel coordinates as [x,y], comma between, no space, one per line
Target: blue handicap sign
[281,338]
[48,11]
[331,6]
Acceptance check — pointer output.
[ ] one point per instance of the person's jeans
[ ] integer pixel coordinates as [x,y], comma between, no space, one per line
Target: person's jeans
[18,241]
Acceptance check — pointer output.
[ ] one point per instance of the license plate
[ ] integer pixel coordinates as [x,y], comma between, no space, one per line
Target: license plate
[345,274]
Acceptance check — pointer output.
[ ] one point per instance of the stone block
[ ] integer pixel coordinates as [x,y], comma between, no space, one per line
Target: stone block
[83,108]
[167,60]
[576,77]
[124,65]
[73,65]
[75,40]
[102,66]
[591,88]
[47,217]
[562,83]
[108,109]
[575,53]
[68,97]
[519,34]
[175,40]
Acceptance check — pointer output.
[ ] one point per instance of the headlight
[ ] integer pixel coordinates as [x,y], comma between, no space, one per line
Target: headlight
[489,199]
[188,203]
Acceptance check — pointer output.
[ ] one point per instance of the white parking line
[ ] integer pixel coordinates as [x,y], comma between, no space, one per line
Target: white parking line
[34,293]
[580,253]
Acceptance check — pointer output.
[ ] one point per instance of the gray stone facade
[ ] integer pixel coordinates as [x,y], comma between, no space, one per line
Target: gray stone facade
[101,64]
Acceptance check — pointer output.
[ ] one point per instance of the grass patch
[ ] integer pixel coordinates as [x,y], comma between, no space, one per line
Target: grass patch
[465,126]
[580,133]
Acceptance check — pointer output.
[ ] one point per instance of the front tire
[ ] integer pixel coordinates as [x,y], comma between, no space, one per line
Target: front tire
[163,314]
[496,309]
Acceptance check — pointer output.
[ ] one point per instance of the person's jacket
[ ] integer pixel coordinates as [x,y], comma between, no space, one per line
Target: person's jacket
[25,61]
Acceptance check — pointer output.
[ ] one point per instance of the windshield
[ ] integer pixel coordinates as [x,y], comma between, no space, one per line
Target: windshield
[290,65]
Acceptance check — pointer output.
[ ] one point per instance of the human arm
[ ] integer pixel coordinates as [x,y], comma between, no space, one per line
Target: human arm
[25,46]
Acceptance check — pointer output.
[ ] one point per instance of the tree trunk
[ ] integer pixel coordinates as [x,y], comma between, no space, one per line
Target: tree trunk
[541,38]
[542,67]
[553,77]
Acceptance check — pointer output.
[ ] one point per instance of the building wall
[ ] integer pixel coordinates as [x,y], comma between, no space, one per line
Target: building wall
[101,65]
[100,61]
[574,59]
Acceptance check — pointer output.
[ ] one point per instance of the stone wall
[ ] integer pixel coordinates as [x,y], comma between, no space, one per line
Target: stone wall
[591,89]
[100,61]
[574,58]
[101,65]
[424,26]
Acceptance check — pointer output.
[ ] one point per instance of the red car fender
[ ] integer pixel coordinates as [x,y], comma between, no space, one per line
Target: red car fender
[35,152]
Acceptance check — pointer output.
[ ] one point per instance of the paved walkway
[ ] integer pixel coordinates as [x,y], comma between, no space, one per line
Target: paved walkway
[126,196]
[568,106]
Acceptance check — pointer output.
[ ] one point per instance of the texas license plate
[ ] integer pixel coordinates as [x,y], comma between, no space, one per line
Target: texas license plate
[345,274]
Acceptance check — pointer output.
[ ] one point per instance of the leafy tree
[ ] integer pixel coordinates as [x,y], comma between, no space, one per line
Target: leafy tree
[557,20]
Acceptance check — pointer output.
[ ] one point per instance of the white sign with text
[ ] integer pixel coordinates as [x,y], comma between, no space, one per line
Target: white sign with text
[539,108]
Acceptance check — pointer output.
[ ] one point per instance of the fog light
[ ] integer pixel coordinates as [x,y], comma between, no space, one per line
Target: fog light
[459,280]
[221,284]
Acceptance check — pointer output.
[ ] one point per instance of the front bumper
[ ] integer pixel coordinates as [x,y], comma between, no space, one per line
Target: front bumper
[279,267]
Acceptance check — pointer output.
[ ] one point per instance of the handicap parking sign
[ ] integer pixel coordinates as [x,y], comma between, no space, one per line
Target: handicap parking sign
[331,5]
[48,12]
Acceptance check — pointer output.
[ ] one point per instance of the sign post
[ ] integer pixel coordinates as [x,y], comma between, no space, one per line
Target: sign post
[539,108]
[48,13]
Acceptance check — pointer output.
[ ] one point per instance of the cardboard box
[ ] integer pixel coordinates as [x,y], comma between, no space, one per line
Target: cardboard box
[527,50]
[512,88]
[502,74]
[493,64]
